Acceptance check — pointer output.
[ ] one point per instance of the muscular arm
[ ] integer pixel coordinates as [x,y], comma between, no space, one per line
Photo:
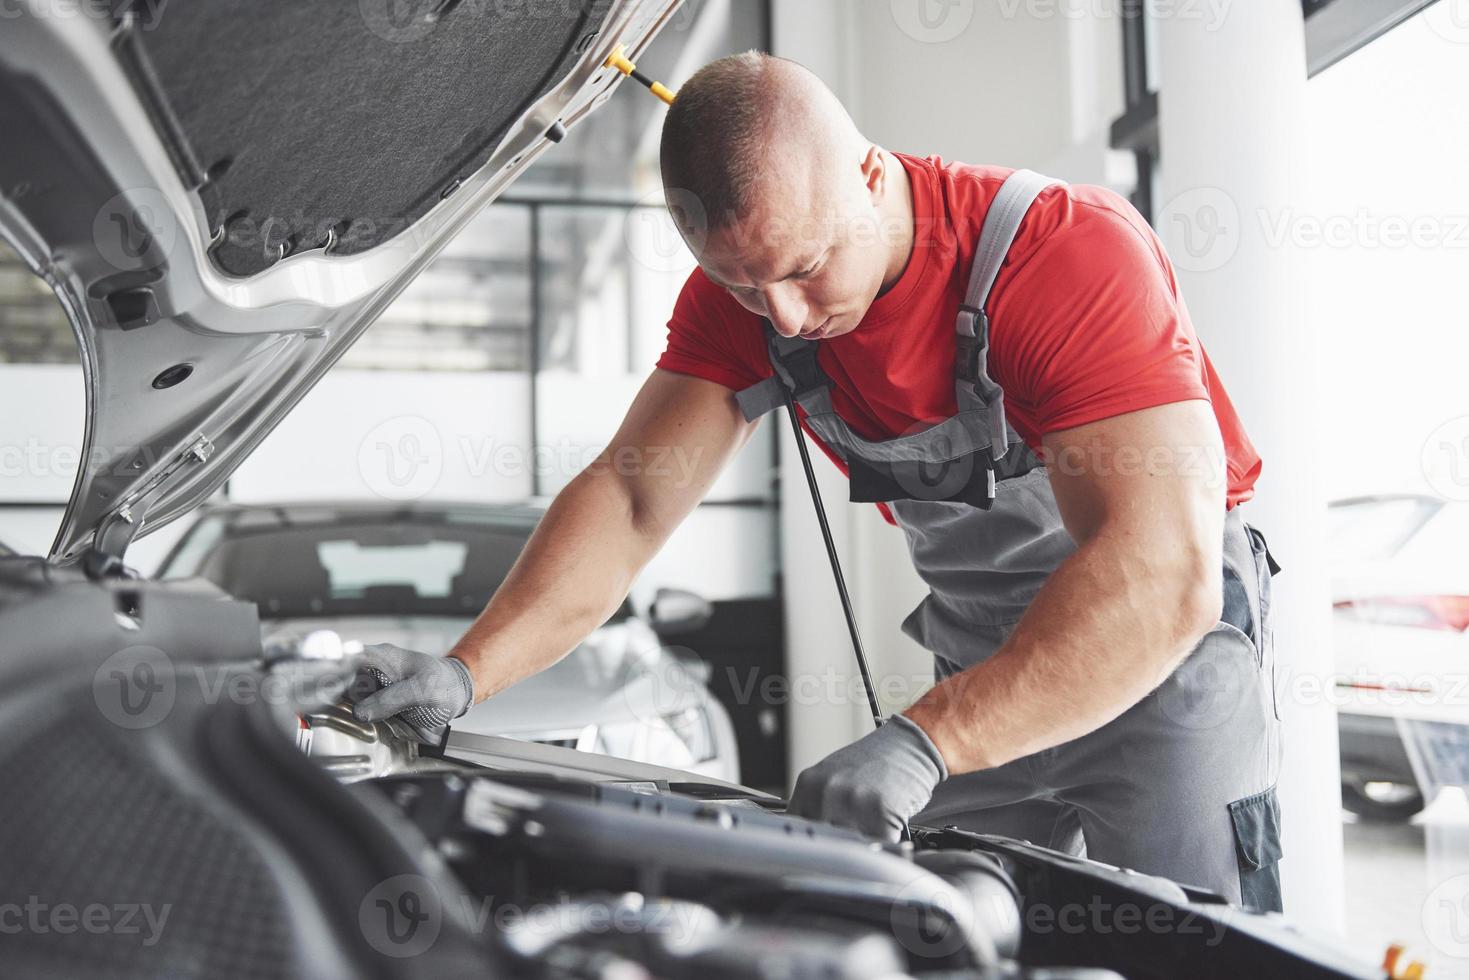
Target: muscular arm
[1143,496]
[604,527]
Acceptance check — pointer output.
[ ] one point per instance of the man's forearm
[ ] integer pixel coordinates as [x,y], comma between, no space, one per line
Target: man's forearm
[574,572]
[1105,630]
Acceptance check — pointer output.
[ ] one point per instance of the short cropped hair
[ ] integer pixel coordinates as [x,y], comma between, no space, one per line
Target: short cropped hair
[714,139]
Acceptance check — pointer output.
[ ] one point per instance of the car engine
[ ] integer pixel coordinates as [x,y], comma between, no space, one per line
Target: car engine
[152,759]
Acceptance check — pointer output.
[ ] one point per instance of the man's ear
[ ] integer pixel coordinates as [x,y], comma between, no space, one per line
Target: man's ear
[875,173]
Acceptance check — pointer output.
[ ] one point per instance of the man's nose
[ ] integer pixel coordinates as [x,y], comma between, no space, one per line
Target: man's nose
[786,309]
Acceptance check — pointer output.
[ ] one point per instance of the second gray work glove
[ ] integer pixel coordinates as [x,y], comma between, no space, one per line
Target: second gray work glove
[425,692]
[875,784]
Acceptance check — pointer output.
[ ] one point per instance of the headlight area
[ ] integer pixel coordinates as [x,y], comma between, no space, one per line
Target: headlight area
[678,739]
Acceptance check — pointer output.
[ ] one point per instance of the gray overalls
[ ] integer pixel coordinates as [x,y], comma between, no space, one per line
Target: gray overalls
[1183,783]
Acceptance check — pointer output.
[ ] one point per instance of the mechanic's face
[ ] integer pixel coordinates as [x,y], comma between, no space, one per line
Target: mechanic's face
[813,253]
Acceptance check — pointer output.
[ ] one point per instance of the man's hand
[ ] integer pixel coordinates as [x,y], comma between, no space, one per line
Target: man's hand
[875,784]
[425,692]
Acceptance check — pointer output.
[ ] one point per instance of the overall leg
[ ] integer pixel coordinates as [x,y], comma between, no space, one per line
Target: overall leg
[1183,784]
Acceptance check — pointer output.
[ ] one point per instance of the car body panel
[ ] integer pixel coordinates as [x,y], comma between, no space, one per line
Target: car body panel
[516,755]
[619,675]
[1395,547]
[127,249]
[620,692]
[1396,684]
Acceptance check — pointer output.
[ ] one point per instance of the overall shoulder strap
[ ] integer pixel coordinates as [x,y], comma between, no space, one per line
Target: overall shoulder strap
[975,388]
[796,370]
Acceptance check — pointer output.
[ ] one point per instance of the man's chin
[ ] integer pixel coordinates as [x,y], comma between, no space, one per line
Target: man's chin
[841,325]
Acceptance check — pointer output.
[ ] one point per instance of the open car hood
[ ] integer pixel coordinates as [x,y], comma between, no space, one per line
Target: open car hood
[225,196]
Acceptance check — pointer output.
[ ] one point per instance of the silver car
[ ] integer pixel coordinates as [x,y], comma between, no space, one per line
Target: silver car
[1400,611]
[416,575]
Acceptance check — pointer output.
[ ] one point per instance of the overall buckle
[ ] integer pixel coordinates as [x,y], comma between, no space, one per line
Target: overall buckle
[966,368]
[987,457]
[795,361]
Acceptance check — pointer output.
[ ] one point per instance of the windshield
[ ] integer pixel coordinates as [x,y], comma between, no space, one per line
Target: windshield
[351,566]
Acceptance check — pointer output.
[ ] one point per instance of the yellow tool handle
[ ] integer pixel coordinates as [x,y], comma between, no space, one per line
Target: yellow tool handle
[1399,965]
[618,59]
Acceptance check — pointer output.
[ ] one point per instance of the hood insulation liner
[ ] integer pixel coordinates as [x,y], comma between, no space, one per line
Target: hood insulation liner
[293,142]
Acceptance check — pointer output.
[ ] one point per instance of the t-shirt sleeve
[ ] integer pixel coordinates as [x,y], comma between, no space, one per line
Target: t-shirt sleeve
[1092,327]
[711,336]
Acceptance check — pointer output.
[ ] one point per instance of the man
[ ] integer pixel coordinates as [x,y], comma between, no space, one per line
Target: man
[1098,623]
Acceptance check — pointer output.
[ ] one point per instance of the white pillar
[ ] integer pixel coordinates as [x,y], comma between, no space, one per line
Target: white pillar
[1232,92]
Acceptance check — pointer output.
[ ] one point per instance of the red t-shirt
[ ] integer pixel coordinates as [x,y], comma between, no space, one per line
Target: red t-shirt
[1086,322]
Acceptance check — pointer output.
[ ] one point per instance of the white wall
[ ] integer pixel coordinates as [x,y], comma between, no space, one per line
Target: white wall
[41,412]
[370,435]
[1385,232]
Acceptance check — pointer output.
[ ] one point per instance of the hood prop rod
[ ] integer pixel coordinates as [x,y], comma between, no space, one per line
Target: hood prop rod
[831,554]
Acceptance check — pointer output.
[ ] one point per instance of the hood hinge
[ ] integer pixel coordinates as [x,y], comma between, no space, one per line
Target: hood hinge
[117,531]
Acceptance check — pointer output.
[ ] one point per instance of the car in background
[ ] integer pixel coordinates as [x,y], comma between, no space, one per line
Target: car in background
[1400,602]
[416,575]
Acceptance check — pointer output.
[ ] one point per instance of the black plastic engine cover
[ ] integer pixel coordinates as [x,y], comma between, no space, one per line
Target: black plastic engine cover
[157,819]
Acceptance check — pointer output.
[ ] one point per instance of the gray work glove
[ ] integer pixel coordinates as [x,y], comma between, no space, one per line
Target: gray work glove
[875,784]
[425,692]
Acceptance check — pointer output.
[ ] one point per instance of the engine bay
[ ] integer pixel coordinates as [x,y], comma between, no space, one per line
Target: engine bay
[161,755]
